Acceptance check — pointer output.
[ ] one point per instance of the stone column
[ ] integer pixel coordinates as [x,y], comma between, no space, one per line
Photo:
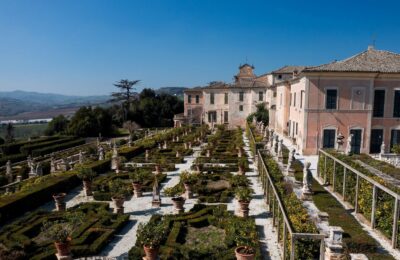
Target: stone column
[334,244]
[349,144]
[9,171]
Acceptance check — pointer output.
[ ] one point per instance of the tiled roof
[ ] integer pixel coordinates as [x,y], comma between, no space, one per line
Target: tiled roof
[289,69]
[370,60]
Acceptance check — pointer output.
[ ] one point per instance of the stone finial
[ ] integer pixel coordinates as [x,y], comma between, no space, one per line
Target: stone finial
[52,165]
[130,140]
[81,157]
[156,202]
[307,182]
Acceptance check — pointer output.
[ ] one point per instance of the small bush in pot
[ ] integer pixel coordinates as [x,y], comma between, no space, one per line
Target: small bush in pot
[243,165]
[119,192]
[86,175]
[244,195]
[150,236]
[60,231]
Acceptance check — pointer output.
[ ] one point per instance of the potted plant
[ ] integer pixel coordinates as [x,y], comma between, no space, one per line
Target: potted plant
[59,199]
[188,179]
[243,195]
[243,164]
[60,232]
[159,162]
[150,237]
[138,178]
[118,194]
[243,251]
[86,175]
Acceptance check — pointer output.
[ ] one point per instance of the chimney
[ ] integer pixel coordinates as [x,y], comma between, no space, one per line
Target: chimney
[371,47]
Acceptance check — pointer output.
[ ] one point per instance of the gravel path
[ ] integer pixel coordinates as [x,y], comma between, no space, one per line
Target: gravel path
[270,248]
[140,211]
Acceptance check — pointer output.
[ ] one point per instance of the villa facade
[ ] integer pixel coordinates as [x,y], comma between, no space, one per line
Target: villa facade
[355,99]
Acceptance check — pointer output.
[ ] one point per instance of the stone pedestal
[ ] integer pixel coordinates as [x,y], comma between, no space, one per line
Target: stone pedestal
[156,203]
[87,186]
[244,209]
[119,210]
[188,191]
[334,244]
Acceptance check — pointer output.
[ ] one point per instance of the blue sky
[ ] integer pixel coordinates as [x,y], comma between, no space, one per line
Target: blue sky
[83,46]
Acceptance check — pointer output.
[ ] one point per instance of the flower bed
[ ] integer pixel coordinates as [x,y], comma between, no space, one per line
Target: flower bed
[298,216]
[99,227]
[36,191]
[212,188]
[206,232]
[355,238]
[101,187]
[385,203]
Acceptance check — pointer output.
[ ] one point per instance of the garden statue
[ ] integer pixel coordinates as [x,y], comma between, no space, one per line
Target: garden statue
[147,154]
[9,171]
[383,148]
[307,182]
[130,140]
[349,144]
[64,165]
[190,145]
[165,145]
[291,160]
[177,138]
[208,153]
[39,169]
[32,172]
[270,138]
[265,134]
[156,202]
[339,140]
[276,143]
[81,158]
[280,154]
[114,158]
[159,146]
[52,164]
[101,153]
[98,141]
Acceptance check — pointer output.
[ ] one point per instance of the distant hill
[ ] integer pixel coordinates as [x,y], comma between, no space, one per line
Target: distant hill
[176,91]
[18,102]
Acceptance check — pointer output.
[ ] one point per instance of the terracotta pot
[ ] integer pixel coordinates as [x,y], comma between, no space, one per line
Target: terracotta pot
[151,253]
[119,204]
[178,204]
[59,197]
[63,248]
[241,256]
[244,208]
[87,186]
[241,170]
[137,189]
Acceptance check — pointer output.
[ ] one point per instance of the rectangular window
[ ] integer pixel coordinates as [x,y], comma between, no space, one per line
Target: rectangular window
[289,124]
[274,94]
[297,128]
[240,107]
[226,98]
[394,138]
[241,96]
[189,99]
[260,96]
[290,100]
[379,103]
[197,99]
[331,99]
[329,138]
[225,116]
[212,116]
[281,99]
[212,98]
[301,98]
[396,105]
[294,99]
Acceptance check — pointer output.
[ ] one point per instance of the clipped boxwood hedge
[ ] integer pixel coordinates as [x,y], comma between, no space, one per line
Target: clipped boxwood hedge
[35,192]
[28,148]
[14,148]
[57,147]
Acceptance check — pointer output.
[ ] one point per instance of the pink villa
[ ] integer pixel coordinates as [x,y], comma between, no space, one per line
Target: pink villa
[313,106]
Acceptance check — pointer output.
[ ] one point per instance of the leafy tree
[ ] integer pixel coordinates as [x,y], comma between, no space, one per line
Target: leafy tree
[59,124]
[9,133]
[91,122]
[130,126]
[261,114]
[1,141]
[125,94]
